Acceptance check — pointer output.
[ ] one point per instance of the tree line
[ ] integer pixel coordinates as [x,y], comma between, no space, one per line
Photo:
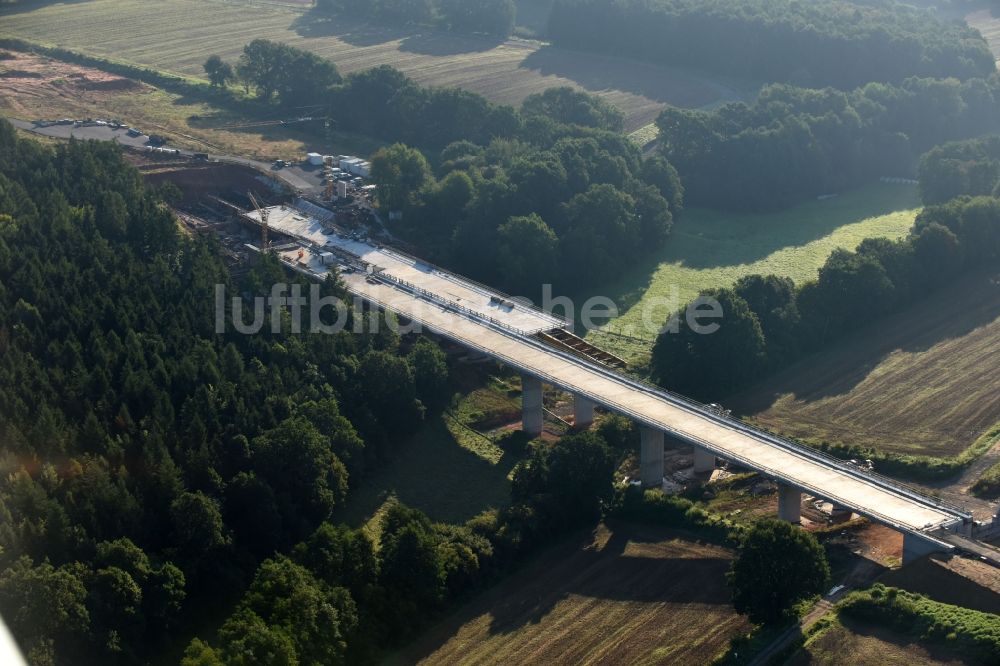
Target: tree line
[795,143]
[491,17]
[815,44]
[768,322]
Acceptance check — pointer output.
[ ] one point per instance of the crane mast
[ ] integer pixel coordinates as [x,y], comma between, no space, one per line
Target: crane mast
[262,212]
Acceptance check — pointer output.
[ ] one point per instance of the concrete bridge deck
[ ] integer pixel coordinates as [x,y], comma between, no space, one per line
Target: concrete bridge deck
[898,508]
[467,314]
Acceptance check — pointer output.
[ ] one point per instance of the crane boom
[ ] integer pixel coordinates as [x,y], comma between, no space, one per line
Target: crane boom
[262,212]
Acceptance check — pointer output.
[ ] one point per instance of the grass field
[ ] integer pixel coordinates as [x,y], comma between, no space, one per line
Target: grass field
[925,381]
[177,36]
[452,470]
[849,644]
[630,594]
[713,249]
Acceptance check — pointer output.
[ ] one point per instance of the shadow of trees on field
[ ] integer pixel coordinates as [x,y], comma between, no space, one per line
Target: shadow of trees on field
[952,312]
[435,43]
[705,239]
[413,39]
[608,573]
[596,73]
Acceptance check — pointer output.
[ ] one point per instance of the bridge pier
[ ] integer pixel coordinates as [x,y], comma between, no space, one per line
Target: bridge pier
[532,417]
[789,503]
[583,412]
[915,547]
[651,458]
[704,460]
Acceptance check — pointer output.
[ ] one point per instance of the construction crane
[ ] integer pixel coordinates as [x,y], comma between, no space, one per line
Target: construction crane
[262,212]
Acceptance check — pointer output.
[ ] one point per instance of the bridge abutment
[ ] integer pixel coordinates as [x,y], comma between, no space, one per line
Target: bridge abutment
[704,460]
[915,547]
[532,416]
[789,503]
[583,411]
[651,458]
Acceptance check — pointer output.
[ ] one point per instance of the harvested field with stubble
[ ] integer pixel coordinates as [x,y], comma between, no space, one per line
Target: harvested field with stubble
[621,595]
[178,35]
[924,381]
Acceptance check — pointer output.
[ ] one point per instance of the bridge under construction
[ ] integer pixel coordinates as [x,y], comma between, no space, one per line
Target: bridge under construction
[541,347]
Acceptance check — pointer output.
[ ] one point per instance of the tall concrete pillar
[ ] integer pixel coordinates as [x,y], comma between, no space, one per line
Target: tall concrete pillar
[914,547]
[583,411]
[531,405]
[651,457]
[789,503]
[704,460]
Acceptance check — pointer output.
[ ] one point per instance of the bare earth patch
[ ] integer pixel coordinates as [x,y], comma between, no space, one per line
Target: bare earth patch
[25,76]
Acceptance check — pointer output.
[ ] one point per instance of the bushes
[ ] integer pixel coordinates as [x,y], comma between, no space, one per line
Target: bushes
[973,634]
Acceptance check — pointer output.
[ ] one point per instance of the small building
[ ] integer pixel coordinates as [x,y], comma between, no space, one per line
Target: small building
[315,159]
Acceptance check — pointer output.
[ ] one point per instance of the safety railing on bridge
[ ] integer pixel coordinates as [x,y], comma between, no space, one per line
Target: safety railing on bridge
[742,460]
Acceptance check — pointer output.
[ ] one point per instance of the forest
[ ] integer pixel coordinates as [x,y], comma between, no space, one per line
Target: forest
[796,143]
[154,470]
[813,44]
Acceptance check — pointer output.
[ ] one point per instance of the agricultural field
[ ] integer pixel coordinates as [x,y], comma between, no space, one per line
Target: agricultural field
[847,644]
[710,249]
[622,594]
[923,381]
[178,35]
[34,87]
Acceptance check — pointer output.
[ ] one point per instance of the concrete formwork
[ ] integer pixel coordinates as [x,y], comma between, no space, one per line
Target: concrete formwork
[531,405]
[789,503]
[651,458]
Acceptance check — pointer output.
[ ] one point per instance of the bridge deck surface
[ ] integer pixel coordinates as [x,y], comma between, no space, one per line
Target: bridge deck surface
[462,311]
[620,395]
[448,286]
